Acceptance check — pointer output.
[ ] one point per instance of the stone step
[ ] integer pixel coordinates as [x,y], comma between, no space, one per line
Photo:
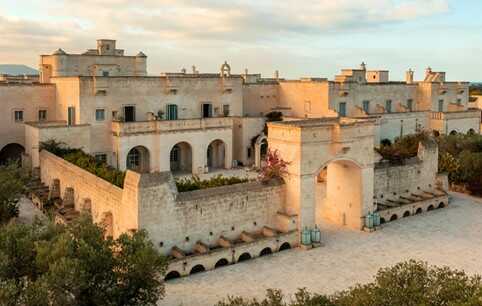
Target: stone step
[200,248]
[177,252]
[224,242]
[246,237]
[285,222]
[269,232]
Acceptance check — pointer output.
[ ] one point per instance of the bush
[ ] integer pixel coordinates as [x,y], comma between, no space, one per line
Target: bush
[53,264]
[85,161]
[408,283]
[12,184]
[275,167]
[195,183]
[402,149]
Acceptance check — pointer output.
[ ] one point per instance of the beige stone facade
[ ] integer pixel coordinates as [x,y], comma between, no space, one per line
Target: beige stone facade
[194,123]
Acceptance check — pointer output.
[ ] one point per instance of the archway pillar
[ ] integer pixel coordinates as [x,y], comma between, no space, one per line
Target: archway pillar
[300,199]
[199,158]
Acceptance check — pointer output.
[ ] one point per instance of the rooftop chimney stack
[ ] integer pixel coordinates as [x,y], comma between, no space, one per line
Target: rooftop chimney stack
[276,74]
[409,76]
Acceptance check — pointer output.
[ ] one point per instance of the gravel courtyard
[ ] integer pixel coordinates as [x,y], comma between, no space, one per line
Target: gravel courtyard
[451,236]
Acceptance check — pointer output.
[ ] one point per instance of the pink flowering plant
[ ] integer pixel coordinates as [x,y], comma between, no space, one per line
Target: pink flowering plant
[274,167]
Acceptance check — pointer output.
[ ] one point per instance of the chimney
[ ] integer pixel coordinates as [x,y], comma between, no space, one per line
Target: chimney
[409,76]
[363,66]
[428,71]
[276,74]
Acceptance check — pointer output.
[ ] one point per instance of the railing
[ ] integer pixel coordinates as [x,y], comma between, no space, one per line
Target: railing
[456,115]
[164,126]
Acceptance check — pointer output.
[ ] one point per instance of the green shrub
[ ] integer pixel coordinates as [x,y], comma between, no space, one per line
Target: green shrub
[195,183]
[85,161]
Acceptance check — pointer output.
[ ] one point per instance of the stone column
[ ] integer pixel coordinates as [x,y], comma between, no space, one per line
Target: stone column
[367,184]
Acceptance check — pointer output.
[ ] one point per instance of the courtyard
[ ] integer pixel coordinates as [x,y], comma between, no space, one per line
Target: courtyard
[450,236]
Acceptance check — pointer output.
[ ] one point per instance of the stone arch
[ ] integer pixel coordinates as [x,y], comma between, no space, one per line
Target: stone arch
[180,157]
[260,149]
[197,269]
[441,205]
[393,217]
[430,208]
[471,132]
[285,246]
[382,220]
[11,152]
[453,132]
[243,257]
[216,155]
[221,263]
[419,211]
[265,251]
[339,192]
[138,159]
[172,275]
[406,214]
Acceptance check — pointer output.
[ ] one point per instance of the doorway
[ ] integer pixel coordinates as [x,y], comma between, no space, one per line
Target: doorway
[129,113]
[207,110]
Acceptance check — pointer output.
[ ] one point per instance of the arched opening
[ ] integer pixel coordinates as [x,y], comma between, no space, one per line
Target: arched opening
[197,269]
[285,246]
[265,251]
[393,217]
[406,214]
[441,205]
[172,275]
[382,220]
[244,257]
[338,192]
[216,155]
[436,133]
[260,150]
[418,211]
[221,263]
[138,159]
[430,208]
[180,158]
[11,153]
[471,132]
[453,132]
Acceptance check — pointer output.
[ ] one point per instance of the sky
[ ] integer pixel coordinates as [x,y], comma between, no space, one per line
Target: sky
[300,38]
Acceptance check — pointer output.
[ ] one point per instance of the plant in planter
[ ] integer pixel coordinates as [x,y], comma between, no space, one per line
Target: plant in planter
[275,167]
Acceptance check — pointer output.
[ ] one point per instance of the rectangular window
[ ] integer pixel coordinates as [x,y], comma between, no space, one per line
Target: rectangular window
[71,115]
[18,115]
[226,110]
[342,109]
[171,112]
[42,115]
[366,106]
[388,106]
[410,104]
[105,73]
[441,105]
[207,110]
[101,157]
[99,114]
[129,113]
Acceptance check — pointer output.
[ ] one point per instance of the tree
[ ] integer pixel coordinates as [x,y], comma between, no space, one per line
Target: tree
[411,283]
[51,264]
[12,185]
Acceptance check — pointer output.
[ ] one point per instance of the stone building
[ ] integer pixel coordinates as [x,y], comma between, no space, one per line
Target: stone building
[159,127]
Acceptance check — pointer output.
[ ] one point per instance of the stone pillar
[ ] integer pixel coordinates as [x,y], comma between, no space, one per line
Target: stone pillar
[54,191]
[367,184]
[300,199]
[68,199]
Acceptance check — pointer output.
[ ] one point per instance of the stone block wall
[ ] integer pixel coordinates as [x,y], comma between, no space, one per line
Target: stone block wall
[417,174]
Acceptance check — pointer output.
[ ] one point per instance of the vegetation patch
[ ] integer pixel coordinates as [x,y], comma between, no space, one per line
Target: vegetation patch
[85,161]
[402,149]
[408,283]
[195,183]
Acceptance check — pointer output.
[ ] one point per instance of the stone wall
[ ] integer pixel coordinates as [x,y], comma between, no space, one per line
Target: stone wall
[204,215]
[104,197]
[418,174]
[150,201]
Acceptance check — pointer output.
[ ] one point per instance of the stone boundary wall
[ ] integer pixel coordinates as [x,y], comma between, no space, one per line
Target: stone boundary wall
[417,174]
[183,219]
[104,197]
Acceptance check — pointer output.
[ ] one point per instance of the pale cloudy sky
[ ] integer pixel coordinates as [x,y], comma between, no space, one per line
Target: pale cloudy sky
[297,37]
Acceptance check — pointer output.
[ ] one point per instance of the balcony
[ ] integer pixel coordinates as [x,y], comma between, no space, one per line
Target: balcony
[169,126]
[456,115]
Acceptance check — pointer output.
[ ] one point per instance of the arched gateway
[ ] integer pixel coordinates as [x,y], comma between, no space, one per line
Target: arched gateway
[331,170]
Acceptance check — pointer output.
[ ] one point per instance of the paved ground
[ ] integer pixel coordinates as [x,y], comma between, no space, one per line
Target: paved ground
[451,236]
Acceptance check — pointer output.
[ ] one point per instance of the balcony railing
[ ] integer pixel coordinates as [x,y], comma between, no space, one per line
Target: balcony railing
[456,115]
[165,126]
